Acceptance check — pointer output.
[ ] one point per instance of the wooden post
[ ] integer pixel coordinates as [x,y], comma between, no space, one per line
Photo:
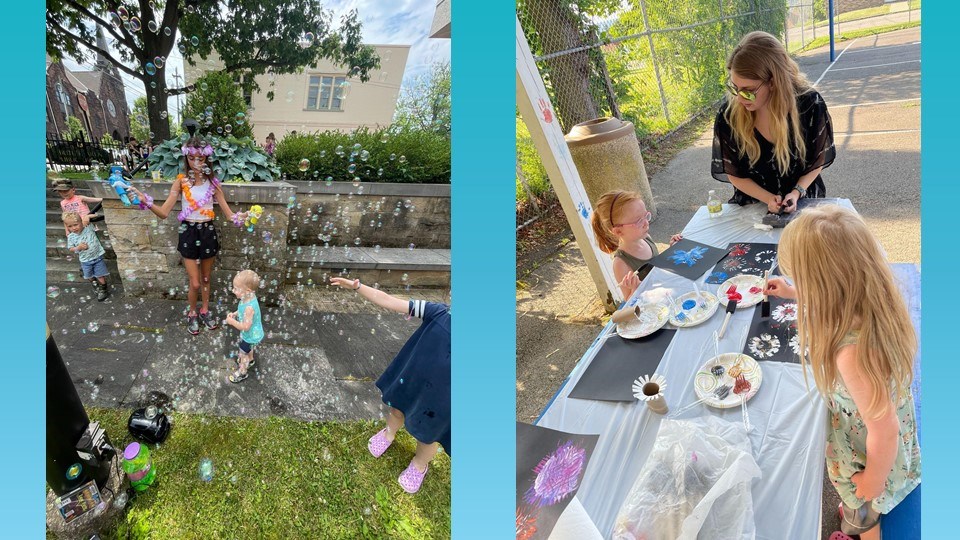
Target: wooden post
[538,114]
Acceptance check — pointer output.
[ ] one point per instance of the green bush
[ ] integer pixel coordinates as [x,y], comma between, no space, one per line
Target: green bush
[419,157]
[530,165]
[232,158]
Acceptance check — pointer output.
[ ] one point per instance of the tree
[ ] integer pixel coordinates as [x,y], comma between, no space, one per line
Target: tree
[425,104]
[249,36]
[139,126]
[75,130]
[216,104]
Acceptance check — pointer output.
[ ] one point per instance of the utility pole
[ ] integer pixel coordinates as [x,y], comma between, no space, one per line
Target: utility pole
[176,77]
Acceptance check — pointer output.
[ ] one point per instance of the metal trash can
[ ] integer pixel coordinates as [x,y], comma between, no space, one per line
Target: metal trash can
[607,155]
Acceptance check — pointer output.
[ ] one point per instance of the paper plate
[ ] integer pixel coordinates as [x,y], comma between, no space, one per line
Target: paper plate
[652,318]
[696,314]
[706,382]
[744,283]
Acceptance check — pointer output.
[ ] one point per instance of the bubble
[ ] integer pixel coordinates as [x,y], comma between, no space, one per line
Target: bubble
[367,511]
[410,247]
[227,129]
[339,150]
[163,115]
[365,155]
[352,168]
[376,248]
[71,276]
[305,40]
[328,181]
[206,469]
[290,96]
[357,147]
[240,119]
[396,211]
[126,25]
[53,291]
[323,153]
[191,8]
[403,159]
[195,41]
[405,276]
[304,165]
[135,24]
[158,61]
[383,76]
[150,68]
[356,181]
[356,241]
[153,84]
[182,48]
[152,135]
[167,31]
[123,13]
[153,27]
[344,89]
[379,172]
[393,157]
[267,237]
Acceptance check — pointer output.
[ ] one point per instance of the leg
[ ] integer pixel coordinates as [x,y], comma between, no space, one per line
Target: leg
[394,423]
[424,455]
[206,269]
[193,273]
[872,534]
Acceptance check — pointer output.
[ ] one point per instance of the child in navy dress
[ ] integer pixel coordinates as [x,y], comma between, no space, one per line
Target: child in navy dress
[416,385]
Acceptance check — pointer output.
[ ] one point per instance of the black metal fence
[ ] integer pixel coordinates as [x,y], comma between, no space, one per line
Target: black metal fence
[80,154]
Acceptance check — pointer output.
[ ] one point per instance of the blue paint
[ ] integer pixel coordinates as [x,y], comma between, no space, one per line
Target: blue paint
[689,304]
[688,258]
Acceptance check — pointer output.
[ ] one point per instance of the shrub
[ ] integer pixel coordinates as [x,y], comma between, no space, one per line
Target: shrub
[419,157]
[530,165]
[232,158]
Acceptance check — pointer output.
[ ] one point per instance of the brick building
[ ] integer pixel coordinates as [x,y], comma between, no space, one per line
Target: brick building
[95,97]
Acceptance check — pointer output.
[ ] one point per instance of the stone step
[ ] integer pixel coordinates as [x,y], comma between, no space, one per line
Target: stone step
[61,270]
[389,267]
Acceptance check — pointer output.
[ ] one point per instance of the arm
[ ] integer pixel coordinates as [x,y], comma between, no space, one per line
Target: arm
[751,188]
[162,211]
[91,199]
[378,297]
[247,318]
[882,432]
[626,277]
[790,200]
[780,288]
[222,201]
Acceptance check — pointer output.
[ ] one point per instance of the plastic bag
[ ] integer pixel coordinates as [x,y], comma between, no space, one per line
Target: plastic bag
[694,486]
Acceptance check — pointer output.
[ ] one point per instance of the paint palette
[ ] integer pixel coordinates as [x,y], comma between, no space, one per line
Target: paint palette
[694,312]
[747,289]
[707,382]
[651,318]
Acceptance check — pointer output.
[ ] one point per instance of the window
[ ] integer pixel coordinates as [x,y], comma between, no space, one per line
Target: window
[323,94]
[64,98]
[111,108]
[247,93]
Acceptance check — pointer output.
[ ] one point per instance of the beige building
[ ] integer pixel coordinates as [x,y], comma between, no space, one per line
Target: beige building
[314,100]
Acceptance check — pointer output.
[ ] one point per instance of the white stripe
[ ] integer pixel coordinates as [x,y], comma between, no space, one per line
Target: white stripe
[868,103]
[867,133]
[884,47]
[837,59]
[878,65]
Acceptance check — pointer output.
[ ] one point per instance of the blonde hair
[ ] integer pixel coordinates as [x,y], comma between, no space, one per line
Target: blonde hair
[71,217]
[248,279]
[844,283]
[605,212]
[760,56]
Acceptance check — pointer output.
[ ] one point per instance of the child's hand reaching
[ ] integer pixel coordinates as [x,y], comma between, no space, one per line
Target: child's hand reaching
[232,318]
[780,288]
[868,487]
[345,283]
[82,246]
[676,238]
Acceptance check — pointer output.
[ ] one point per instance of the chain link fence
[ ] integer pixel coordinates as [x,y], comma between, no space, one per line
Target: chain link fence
[658,63]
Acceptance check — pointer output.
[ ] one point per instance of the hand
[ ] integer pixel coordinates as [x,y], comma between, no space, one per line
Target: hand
[780,288]
[242,216]
[790,201]
[630,282]
[868,487]
[137,192]
[232,316]
[774,204]
[344,282]
[676,238]
[82,246]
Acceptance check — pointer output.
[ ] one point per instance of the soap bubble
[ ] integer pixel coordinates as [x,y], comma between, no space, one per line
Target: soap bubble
[305,40]
[267,237]
[376,248]
[195,41]
[163,115]
[344,90]
[182,48]
[365,155]
[290,96]
[411,247]
[383,76]
[356,181]
[158,61]
[123,13]
[304,165]
[150,68]
[120,501]
[228,128]
[405,276]
[352,168]
[204,86]
[403,159]
[240,118]
[206,469]
[356,241]
[135,24]
[167,31]
[328,181]
[338,150]
[379,172]
[71,276]
[53,291]
[152,26]
[393,157]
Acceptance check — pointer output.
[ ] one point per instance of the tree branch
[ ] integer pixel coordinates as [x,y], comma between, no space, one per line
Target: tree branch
[126,41]
[93,47]
[183,90]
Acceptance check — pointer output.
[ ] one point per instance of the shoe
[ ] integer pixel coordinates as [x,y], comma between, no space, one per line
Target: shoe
[238,377]
[411,479]
[193,324]
[209,321]
[837,535]
[250,365]
[378,443]
[102,292]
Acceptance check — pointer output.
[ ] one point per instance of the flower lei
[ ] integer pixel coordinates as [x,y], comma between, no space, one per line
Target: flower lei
[196,151]
[196,205]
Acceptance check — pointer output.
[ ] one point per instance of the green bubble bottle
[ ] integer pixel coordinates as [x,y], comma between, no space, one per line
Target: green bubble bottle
[714,206]
[138,466]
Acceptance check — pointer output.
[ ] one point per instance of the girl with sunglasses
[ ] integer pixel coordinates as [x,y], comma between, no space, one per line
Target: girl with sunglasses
[621,224]
[773,136]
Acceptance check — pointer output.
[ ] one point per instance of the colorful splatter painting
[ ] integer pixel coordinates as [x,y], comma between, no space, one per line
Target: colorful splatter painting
[550,469]
[744,258]
[688,258]
[774,338]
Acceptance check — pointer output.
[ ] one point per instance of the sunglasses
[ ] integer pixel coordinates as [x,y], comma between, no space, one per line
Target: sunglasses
[646,217]
[749,95]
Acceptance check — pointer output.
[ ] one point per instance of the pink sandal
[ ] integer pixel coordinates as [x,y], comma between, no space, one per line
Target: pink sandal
[378,443]
[837,535]
[411,479]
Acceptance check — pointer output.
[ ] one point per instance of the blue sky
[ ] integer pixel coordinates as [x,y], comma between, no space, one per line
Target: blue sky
[385,22]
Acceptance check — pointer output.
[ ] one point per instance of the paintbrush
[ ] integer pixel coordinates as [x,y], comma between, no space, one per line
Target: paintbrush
[731,307]
[765,305]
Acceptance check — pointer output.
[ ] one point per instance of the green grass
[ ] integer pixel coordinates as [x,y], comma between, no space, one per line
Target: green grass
[279,478]
[866,13]
[853,34]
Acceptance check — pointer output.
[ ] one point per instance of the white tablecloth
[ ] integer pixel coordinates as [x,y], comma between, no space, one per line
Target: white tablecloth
[788,416]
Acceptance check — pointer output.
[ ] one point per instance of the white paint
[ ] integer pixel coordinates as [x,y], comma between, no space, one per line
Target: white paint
[868,133]
[835,60]
[870,103]
[534,104]
[878,65]
[884,47]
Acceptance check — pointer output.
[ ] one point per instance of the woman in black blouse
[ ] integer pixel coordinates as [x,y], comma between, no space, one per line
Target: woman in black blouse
[774,136]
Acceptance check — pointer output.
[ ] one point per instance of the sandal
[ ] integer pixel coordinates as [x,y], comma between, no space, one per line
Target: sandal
[411,479]
[250,365]
[837,535]
[238,377]
[378,443]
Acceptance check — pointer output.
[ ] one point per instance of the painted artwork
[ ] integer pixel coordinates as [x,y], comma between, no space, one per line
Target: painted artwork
[618,363]
[774,338]
[744,258]
[550,469]
[688,258]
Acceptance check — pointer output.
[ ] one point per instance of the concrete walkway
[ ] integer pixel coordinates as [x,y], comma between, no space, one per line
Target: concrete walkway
[324,350]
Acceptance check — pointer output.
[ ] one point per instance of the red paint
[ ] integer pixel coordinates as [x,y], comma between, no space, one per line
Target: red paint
[755,290]
[547,114]
[732,294]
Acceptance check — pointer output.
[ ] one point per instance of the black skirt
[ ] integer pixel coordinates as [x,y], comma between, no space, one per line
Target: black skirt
[198,240]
